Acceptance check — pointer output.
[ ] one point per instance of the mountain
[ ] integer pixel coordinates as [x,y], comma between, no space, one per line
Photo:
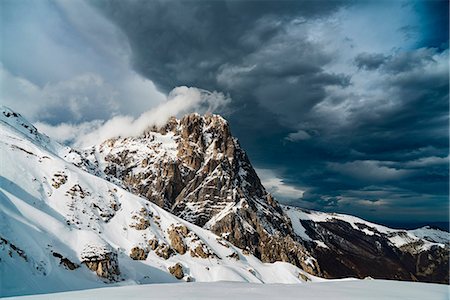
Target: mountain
[347,246]
[179,202]
[195,169]
[62,228]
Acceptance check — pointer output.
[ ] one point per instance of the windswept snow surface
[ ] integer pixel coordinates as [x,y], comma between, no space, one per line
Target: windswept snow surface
[336,290]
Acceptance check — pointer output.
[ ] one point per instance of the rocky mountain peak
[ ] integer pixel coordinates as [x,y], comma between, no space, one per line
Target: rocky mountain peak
[195,168]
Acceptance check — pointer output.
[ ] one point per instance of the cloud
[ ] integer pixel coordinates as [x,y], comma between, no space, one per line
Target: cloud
[427,161]
[367,170]
[371,99]
[68,133]
[374,100]
[369,61]
[180,101]
[82,98]
[300,135]
[79,69]
[278,187]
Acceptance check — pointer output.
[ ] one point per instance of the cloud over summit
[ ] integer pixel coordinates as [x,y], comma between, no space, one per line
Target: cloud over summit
[344,100]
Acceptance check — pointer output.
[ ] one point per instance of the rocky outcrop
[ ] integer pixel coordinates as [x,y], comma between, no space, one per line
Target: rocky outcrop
[142,220]
[163,250]
[353,253]
[65,262]
[177,271]
[102,260]
[11,248]
[176,235]
[59,179]
[153,244]
[202,250]
[138,253]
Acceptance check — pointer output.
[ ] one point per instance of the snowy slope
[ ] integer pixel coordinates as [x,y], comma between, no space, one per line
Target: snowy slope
[53,215]
[427,236]
[343,290]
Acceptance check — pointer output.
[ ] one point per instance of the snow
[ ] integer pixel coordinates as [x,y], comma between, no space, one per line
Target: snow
[296,224]
[427,236]
[432,235]
[49,205]
[336,290]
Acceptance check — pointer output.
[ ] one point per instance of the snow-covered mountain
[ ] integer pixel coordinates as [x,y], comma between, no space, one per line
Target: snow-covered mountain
[63,228]
[347,246]
[180,202]
[195,169]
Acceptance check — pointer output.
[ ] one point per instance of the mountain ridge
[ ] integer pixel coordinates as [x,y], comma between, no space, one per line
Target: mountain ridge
[46,190]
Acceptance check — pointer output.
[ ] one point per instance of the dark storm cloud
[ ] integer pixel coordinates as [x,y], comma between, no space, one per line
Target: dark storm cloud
[375,128]
[174,42]
[403,144]
[369,61]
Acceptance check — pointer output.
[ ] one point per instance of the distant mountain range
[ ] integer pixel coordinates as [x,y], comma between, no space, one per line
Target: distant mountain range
[179,202]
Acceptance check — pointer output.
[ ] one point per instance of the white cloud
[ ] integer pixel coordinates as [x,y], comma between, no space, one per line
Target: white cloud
[84,97]
[80,68]
[275,185]
[181,100]
[427,161]
[370,170]
[300,135]
[67,132]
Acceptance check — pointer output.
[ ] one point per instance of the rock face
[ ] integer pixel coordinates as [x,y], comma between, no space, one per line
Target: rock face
[102,260]
[353,253]
[138,253]
[176,235]
[346,246]
[65,262]
[196,169]
[177,271]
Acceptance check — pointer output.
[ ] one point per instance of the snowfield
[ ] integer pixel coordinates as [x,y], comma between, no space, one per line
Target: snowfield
[335,290]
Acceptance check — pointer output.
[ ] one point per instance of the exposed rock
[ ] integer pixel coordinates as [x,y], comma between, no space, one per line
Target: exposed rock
[351,252]
[142,224]
[77,191]
[102,260]
[234,256]
[153,244]
[223,243]
[176,234]
[143,221]
[138,253]
[59,179]
[164,251]
[5,244]
[303,277]
[177,271]
[197,170]
[201,250]
[65,262]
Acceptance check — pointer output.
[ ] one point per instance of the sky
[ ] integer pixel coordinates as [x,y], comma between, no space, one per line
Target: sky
[342,106]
